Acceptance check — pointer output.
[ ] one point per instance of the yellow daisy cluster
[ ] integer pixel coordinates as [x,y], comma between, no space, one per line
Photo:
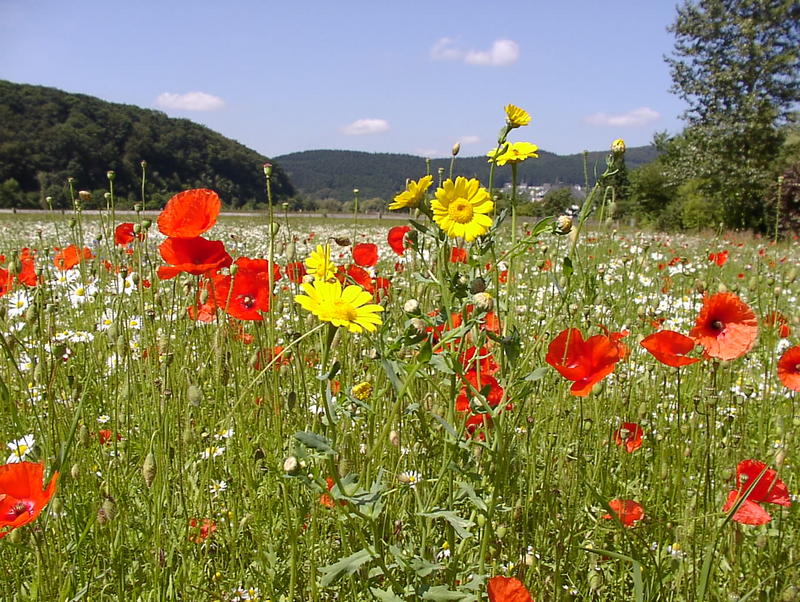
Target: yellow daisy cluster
[515,152]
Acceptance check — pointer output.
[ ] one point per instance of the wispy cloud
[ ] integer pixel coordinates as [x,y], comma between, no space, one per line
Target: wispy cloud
[469,139]
[366,126]
[636,117]
[502,53]
[191,101]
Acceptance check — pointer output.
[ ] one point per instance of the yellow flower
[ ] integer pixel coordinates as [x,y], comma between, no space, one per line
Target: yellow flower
[460,208]
[618,146]
[362,390]
[413,193]
[349,307]
[319,263]
[516,117]
[515,152]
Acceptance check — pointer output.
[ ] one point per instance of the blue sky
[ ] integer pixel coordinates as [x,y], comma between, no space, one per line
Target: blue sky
[411,77]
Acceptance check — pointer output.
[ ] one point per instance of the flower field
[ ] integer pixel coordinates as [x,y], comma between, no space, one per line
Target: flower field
[458,406]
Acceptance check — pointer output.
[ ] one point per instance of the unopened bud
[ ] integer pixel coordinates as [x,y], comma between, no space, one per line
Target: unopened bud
[149,469]
[110,174]
[483,301]
[291,465]
[107,511]
[563,224]
[456,148]
[84,195]
[394,438]
[194,394]
[411,306]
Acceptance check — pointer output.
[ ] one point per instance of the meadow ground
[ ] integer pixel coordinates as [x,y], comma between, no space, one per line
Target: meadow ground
[222,458]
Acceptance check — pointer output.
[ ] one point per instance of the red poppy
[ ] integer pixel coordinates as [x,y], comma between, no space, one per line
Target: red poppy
[27,273]
[789,368]
[6,282]
[22,494]
[776,319]
[192,255]
[485,384]
[479,359]
[629,435]
[396,239]
[458,255]
[360,276]
[585,362]
[670,348]
[189,213]
[69,257]
[719,258]
[507,589]
[248,298]
[201,529]
[295,271]
[365,254]
[260,266]
[124,234]
[726,327]
[768,489]
[627,511]
[105,435]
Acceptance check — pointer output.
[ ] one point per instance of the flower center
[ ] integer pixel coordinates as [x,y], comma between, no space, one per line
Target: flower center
[248,302]
[21,507]
[460,211]
[717,325]
[341,310]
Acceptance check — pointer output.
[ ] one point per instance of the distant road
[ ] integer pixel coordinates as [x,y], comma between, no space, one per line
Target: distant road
[278,214]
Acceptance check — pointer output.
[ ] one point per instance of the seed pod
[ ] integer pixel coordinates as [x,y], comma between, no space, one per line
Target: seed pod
[75,472]
[107,511]
[149,469]
[194,394]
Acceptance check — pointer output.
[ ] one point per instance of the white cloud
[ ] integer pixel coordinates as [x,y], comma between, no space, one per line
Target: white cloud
[191,101]
[444,50]
[636,117]
[428,152]
[366,126]
[502,53]
[469,140]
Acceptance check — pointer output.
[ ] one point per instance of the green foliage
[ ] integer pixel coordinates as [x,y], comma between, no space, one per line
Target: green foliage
[736,64]
[47,136]
[334,173]
[557,201]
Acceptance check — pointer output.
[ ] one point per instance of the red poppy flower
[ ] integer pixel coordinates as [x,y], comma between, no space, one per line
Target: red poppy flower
[22,494]
[789,368]
[201,529]
[507,589]
[480,360]
[726,327]
[627,511]
[105,435]
[719,258]
[124,234]
[585,362]
[192,255]
[70,256]
[458,255]
[396,239]
[360,276]
[629,435]
[670,348]
[249,297]
[6,282]
[27,273]
[365,254]
[776,319]
[768,489]
[189,213]
[485,384]
[295,271]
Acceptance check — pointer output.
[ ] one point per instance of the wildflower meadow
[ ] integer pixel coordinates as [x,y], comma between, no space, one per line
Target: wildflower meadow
[458,403]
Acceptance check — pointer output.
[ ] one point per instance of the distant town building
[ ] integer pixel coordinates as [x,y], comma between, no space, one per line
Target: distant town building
[535,193]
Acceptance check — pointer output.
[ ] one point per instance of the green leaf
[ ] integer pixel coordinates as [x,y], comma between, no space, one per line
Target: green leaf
[466,490]
[423,568]
[536,374]
[440,592]
[391,369]
[567,267]
[425,352]
[445,424]
[543,225]
[314,441]
[460,525]
[386,595]
[332,372]
[347,565]
[439,362]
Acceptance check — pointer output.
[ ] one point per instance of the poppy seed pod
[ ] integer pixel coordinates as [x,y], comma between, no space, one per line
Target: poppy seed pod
[149,469]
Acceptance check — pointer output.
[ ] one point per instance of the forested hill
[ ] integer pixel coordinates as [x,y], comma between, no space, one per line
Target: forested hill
[47,135]
[335,173]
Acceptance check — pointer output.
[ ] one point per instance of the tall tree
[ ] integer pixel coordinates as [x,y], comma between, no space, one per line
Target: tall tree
[736,64]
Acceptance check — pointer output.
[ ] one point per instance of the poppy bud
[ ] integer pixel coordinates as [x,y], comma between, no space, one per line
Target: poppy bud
[501,531]
[84,195]
[456,148]
[75,472]
[194,394]
[245,521]
[290,251]
[777,291]
[722,288]
[483,301]
[791,276]
[291,465]
[700,286]
[417,325]
[122,346]
[394,438]
[268,169]
[481,520]
[411,306]
[30,314]
[83,435]
[595,580]
[563,224]
[149,469]
[110,174]
[477,286]
[275,229]
[780,457]
[342,241]
[107,511]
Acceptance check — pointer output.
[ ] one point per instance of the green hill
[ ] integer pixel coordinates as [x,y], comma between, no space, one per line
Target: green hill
[321,174]
[47,135]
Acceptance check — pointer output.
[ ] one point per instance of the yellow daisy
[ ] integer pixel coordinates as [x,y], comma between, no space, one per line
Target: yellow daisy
[460,208]
[413,193]
[516,117]
[515,152]
[350,307]
[319,263]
